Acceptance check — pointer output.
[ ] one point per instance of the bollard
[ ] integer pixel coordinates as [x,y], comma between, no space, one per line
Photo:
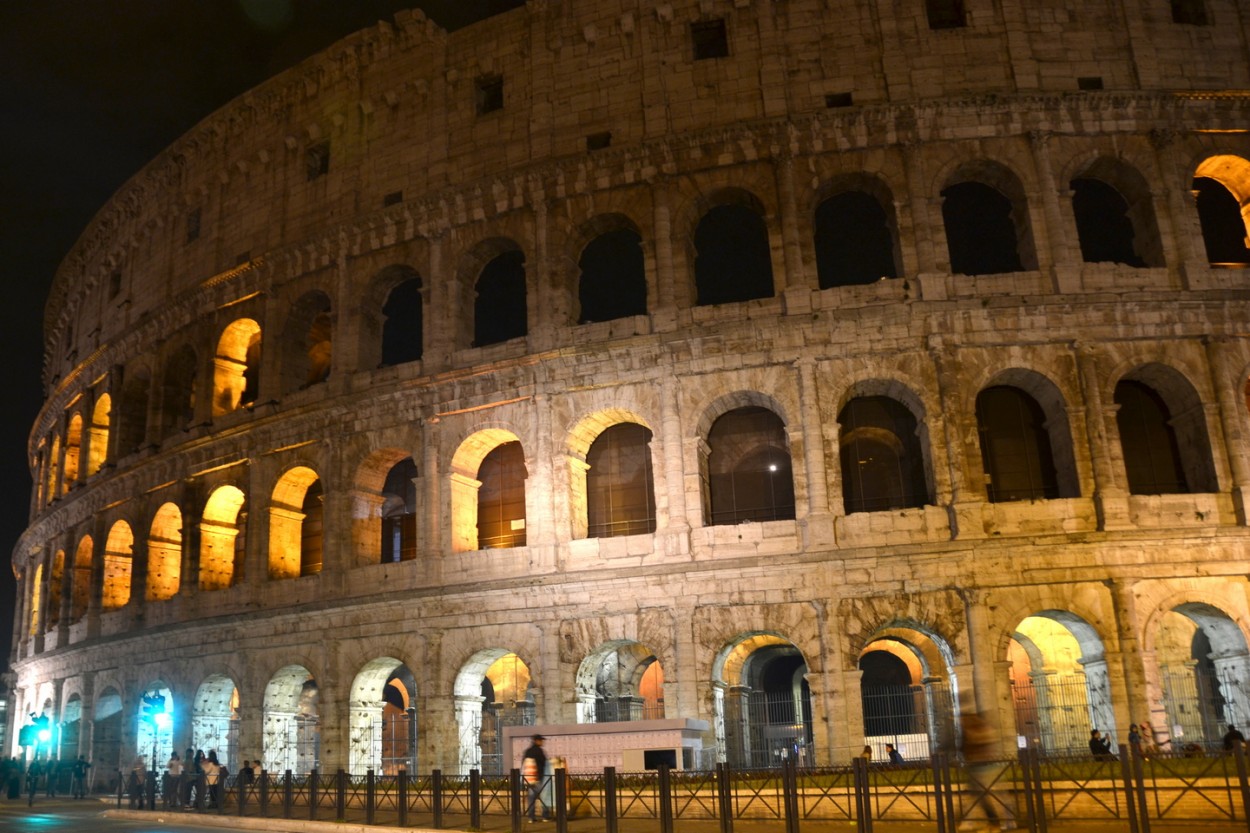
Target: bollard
[1126,773]
[939,809]
[121,786]
[436,797]
[666,801]
[1143,817]
[288,794]
[340,795]
[561,791]
[149,789]
[401,803]
[475,799]
[724,799]
[609,799]
[371,798]
[514,799]
[201,787]
[241,788]
[264,793]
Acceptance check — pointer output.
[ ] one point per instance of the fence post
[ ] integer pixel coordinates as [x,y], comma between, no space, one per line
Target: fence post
[314,794]
[340,795]
[863,795]
[724,799]
[475,798]
[436,797]
[241,788]
[371,797]
[401,801]
[201,786]
[665,801]
[514,799]
[939,807]
[560,789]
[609,799]
[950,792]
[1239,752]
[1139,783]
[288,794]
[790,795]
[1039,794]
[1126,774]
[263,797]
[219,800]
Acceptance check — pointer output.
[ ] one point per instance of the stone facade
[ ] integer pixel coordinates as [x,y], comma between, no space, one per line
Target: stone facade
[214,517]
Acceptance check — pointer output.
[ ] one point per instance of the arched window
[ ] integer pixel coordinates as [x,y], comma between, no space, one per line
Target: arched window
[1015,446]
[98,434]
[399,513]
[73,450]
[132,410]
[402,332]
[882,466]
[164,554]
[981,232]
[307,343]
[80,587]
[1102,223]
[620,498]
[220,539]
[748,468]
[35,588]
[55,588]
[945,14]
[54,468]
[295,525]
[732,258]
[499,312]
[613,282]
[1223,227]
[1161,454]
[237,367]
[854,240]
[178,392]
[118,562]
[501,498]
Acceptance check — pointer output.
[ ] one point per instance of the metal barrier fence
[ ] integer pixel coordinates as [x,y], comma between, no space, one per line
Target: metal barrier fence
[1118,793]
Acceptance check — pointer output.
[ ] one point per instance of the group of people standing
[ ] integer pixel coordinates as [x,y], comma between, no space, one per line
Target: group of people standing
[49,773]
[181,781]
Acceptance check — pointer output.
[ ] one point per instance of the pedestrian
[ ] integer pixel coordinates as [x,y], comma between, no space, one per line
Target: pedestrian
[533,767]
[138,782]
[173,781]
[866,754]
[1233,739]
[78,786]
[985,771]
[894,759]
[1134,740]
[1099,746]
[212,778]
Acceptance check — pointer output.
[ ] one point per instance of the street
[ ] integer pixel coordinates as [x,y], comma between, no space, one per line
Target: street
[65,815]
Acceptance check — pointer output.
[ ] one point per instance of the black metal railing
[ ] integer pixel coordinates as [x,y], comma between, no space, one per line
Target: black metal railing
[1119,792]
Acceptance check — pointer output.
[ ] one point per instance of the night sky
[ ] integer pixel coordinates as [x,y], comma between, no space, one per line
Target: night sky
[91,91]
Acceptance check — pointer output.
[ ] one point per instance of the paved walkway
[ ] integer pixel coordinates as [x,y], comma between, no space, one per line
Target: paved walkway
[501,824]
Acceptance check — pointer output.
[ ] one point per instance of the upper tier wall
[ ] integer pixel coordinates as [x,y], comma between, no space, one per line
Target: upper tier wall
[400,107]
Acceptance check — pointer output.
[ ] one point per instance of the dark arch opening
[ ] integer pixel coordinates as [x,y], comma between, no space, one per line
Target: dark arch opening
[1223,228]
[399,513]
[853,241]
[1152,456]
[882,462]
[402,326]
[749,469]
[889,704]
[1015,446]
[613,281]
[499,312]
[620,498]
[1103,224]
[981,233]
[732,261]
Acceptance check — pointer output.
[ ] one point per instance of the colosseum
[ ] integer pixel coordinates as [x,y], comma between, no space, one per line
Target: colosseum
[803,374]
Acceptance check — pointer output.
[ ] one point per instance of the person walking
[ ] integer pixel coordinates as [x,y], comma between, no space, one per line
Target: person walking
[533,773]
[78,785]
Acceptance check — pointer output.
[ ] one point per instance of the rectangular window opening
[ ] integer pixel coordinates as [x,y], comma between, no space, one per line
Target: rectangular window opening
[317,160]
[393,198]
[1191,12]
[115,285]
[838,100]
[193,225]
[489,94]
[945,14]
[1089,82]
[599,141]
[710,39]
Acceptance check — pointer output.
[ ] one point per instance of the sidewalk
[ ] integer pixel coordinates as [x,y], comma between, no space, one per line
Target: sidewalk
[501,824]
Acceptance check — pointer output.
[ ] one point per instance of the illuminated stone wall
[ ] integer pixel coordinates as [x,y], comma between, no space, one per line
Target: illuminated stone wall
[223,416]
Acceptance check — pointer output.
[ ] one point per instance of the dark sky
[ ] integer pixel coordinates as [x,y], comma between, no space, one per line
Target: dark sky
[91,90]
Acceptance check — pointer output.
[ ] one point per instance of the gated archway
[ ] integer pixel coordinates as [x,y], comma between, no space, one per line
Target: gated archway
[215,719]
[763,702]
[383,719]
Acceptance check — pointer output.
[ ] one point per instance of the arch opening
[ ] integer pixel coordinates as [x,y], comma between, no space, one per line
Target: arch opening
[292,732]
[383,718]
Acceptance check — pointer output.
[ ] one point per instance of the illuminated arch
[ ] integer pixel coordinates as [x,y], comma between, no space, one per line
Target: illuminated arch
[164,554]
[295,525]
[219,529]
[236,366]
[118,566]
[98,443]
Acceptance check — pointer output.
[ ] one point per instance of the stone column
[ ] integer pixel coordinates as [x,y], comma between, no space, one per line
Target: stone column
[1227,382]
[1142,701]
[433,523]
[990,695]
[664,313]
[794,286]
[542,310]
[540,497]
[1179,222]
[1061,233]
[964,464]
[1110,496]
[679,523]
[818,525]
[928,236]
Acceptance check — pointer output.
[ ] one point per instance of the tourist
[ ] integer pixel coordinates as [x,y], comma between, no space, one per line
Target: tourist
[533,769]
[1233,739]
[892,755]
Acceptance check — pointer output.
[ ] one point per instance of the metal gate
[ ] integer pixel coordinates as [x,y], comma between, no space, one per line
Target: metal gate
[1196,708]
[491,722]
[917,719]
[763,731]
[1052,714]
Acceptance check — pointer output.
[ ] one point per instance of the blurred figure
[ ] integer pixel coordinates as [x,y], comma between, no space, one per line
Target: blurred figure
[989,807]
